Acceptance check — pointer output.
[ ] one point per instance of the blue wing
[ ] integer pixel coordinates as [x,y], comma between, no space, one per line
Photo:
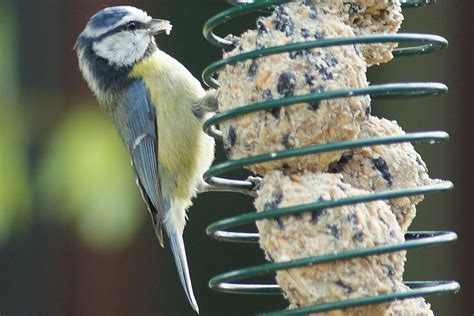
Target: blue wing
[135,118]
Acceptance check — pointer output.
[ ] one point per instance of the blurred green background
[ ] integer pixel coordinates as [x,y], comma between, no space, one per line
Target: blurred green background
[75,237]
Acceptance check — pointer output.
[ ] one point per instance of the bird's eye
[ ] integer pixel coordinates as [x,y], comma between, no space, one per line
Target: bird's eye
[132,26]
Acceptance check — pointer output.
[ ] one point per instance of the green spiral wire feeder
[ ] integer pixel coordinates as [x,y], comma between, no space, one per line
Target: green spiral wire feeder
[226,282]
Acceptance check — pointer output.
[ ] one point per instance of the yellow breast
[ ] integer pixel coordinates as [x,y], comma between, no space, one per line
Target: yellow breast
[173,90]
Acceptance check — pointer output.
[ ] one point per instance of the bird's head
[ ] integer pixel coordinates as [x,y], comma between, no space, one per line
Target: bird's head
[121,35]
[113,40]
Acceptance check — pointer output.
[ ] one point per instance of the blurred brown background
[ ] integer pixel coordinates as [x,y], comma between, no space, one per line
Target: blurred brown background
[74,235]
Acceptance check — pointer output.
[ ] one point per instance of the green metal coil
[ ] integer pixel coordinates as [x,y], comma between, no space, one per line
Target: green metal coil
[226,282]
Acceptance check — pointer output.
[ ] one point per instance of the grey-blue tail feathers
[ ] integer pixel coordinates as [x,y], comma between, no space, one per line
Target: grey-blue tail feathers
[179,253]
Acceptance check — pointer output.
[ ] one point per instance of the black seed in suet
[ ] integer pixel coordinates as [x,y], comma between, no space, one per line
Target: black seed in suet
[267,95]
[367,111]
[261,28]
[420,162]
[325,73]
[347,288]
[283,21]
[340,186]
[286,84]
[277,197]
[312,8]
[297,53]
[358,237]
[390,269]
[276,112]
[381,165]
[280,222]
[353,219]
[334,230]
[318,35]
[352,7]
[390,229]
[314,105]
[309,79]
[330,60]
[305,33]
[315,214]
[336,167]
[252,69]
[286,141]
[232,136]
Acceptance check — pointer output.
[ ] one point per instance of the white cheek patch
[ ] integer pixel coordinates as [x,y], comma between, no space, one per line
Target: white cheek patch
[123,48]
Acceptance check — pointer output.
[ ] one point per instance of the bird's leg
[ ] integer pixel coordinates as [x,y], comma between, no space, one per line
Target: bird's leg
[210,101]
[248,187]
[208,104]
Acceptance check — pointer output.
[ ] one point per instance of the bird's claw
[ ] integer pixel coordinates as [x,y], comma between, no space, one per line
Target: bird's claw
[210,101]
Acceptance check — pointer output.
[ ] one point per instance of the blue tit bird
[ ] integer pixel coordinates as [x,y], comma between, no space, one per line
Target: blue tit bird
[158,108]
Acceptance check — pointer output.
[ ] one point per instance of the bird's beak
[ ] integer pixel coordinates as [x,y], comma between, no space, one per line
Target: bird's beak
[158,26]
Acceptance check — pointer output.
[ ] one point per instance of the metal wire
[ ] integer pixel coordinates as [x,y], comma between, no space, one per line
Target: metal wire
[225,282]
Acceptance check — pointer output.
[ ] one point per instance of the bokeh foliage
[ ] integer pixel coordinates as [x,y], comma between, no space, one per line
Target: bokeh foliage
[15,190]
[85,180]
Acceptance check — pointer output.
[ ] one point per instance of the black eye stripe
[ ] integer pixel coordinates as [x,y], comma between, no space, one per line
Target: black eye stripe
[128,26]
[123,27]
